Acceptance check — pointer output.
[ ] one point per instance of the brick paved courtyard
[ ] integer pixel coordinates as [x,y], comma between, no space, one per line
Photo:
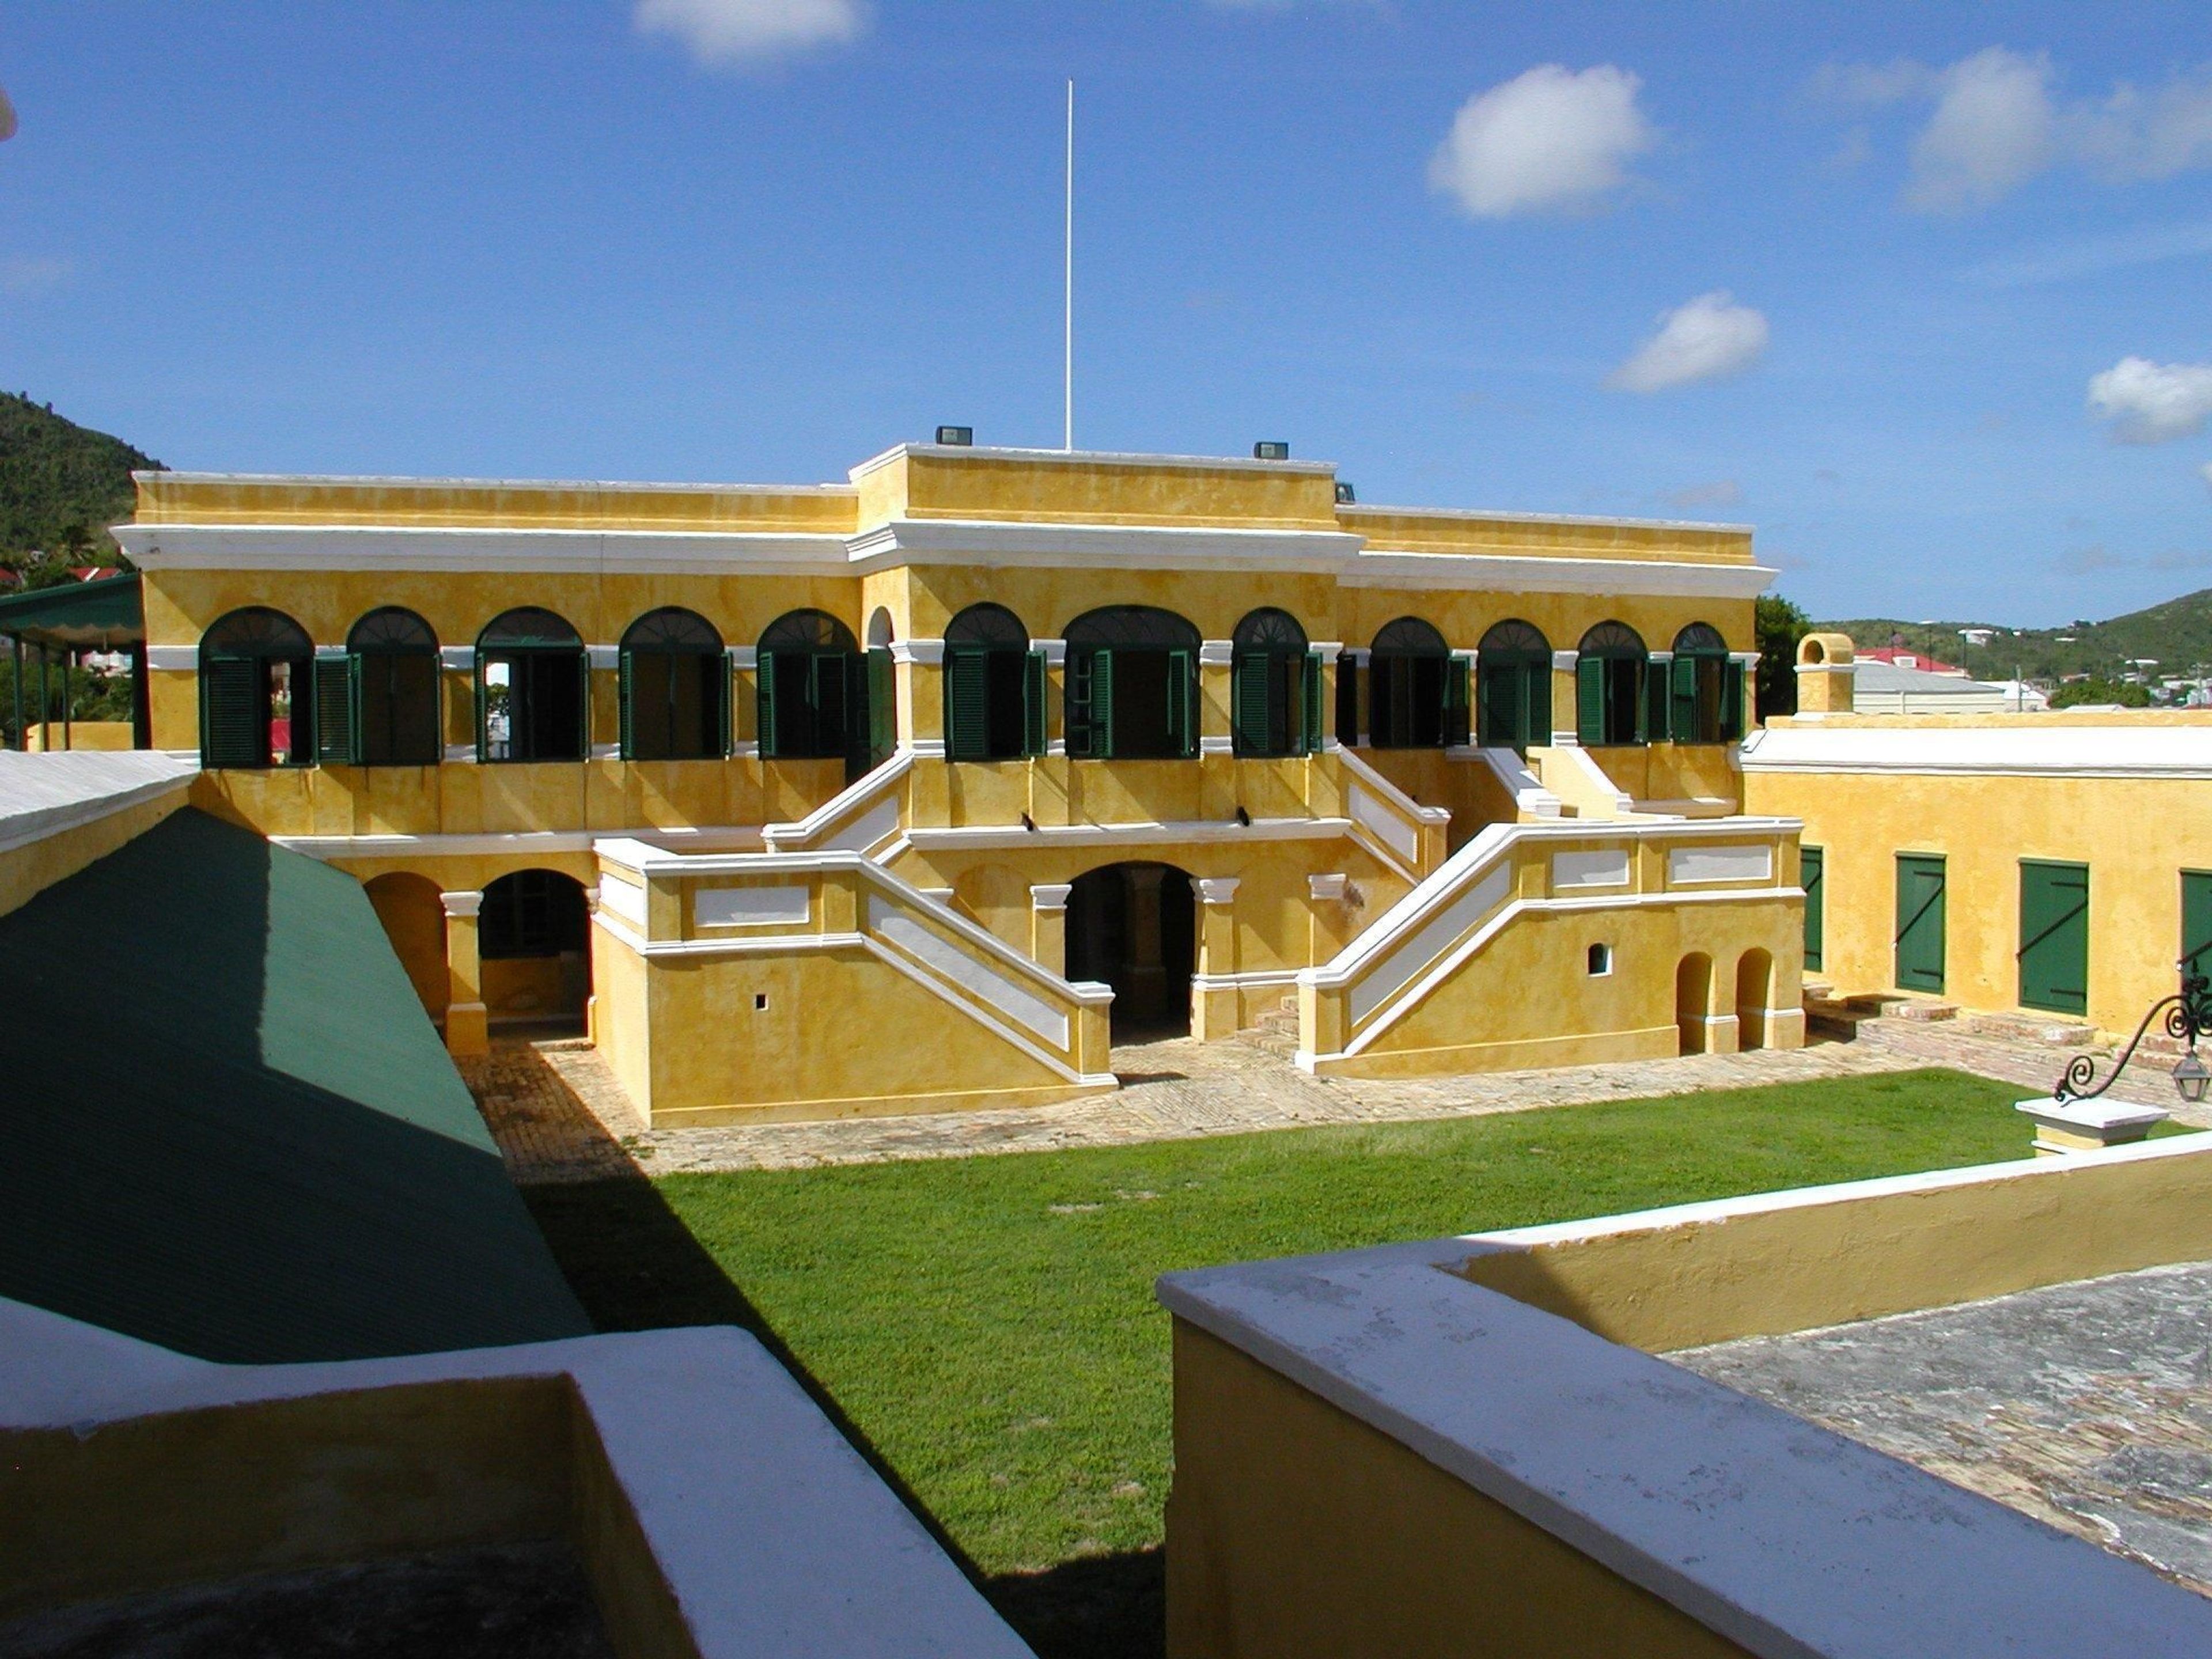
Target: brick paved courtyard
[559,1114]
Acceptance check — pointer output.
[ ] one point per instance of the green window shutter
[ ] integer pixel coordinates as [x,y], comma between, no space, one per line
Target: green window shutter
[584,706]
[1101,705]
[334,744]
[625,693]
[1034,741]
[1684,721]
[719,680]
[1309,704]
[2054,936]
[234,715]
[764,705]
[2196,921]
[1495,713]
[1536,704]
[1812,876]
[967,697]
[1248,699]
[1455,701]
[1347,699]
[1182,702]
[1076,715]
[1920,908]
[860,724]
[883,706]
[1590,701]
[484,711]
[1732,688]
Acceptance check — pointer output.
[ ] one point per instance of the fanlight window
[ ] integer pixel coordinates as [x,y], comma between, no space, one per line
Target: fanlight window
[814,691]
[256,708]
[994,687]
[1611,672]
[1417,690]
[1513,687]
[377,702]
[1131,685]
[532,701]
[1274,686]
[675,688]
[1706,689]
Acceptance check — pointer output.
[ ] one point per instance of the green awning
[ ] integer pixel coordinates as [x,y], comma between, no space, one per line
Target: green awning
[228,1127]
[105,615]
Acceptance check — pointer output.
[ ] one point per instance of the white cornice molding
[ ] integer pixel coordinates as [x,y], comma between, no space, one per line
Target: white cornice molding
[1538,573]
[466,549]
[1130,835]
[989,543]
[1491,515]
[1097,546]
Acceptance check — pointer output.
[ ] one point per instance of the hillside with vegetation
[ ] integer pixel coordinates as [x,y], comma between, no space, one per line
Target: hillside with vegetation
[60,486]
[2176,635]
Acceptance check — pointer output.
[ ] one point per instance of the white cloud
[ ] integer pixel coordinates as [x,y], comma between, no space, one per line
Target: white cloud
[2153,403]
[1997,124]
[1710,338]
[7,116]
[2133,136]
[1993,130]
[2095,256]
[1550,139]
[740,33]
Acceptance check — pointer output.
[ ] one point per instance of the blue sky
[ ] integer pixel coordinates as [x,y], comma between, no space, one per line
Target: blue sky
[1938,277]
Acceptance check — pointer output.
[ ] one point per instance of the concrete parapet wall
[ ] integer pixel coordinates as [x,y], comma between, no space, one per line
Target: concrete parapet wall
[1775,1262]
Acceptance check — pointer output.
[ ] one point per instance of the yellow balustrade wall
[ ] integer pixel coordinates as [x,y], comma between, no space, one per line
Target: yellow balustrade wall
[1743,943]
[2136,835]
[766,1013]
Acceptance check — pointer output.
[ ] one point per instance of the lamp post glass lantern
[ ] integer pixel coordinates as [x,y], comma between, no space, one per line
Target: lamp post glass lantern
[2188,1017]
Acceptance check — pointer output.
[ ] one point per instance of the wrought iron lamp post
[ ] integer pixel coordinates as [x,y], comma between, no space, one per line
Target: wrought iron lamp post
[2188,1017]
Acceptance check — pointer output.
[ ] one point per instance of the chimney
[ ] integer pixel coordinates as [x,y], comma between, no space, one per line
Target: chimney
[1826,673]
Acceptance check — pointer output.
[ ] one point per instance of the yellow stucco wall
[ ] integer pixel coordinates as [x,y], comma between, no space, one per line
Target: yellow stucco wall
[2136,836]
[1681,1279]
[1296,1531]
[38,865]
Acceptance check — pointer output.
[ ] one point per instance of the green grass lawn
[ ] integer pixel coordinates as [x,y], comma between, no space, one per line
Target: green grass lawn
[987,1326]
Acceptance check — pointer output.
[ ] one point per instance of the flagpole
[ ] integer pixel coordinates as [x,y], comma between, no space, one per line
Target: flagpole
[1067,291]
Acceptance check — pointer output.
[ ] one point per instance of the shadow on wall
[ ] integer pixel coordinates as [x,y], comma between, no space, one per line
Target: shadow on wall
[241,1138]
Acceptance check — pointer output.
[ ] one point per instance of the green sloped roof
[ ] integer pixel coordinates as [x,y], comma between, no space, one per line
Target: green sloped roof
[228,1127]
[94,616]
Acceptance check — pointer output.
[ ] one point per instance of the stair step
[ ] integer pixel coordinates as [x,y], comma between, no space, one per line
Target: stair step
[2059,1033]
[1890,1004]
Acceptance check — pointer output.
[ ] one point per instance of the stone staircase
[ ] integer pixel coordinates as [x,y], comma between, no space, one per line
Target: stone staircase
[1276,1032]
[1843,1016]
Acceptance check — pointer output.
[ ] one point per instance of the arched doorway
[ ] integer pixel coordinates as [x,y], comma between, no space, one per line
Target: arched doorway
[1693,996]
[414,919]
[1754,975]
[1134,926]
[534,939]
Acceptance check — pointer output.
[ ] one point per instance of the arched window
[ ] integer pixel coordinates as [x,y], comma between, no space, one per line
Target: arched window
[379,705]
[1416,689]
[1706,704]
[1513,687]
[813,691]
[993,687]
[675,683]
[1610,671]
[1131,685]
[256,709]
[1274,686]
[533,702]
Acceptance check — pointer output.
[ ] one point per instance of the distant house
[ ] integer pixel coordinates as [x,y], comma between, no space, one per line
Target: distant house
[1883,685]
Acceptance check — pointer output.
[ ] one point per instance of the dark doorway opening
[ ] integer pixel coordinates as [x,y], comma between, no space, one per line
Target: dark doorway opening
[534,942]
[1134,926]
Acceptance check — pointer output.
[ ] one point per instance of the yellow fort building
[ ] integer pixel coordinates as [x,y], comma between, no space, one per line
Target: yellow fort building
[902,793]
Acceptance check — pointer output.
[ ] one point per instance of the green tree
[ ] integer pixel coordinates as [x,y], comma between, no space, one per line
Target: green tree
[2076,692]
[1781,626]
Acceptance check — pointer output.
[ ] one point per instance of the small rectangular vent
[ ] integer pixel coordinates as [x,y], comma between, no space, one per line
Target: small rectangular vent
[963,437]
